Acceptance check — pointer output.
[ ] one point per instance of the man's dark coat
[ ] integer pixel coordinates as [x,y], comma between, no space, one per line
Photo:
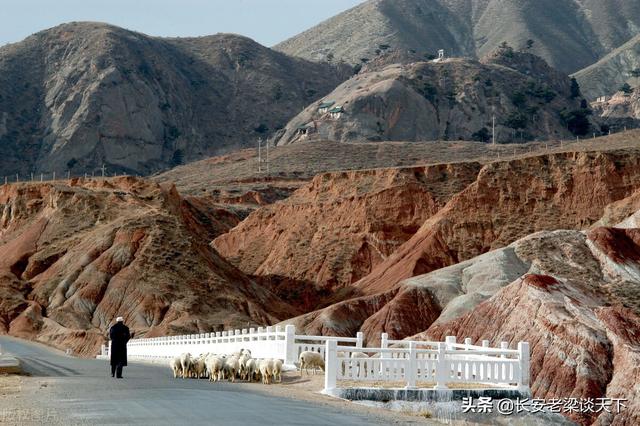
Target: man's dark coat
[119,335]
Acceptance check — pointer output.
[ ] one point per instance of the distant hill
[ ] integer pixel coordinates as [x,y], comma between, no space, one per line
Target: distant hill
[82,95]
[569,34]
[606,76]
[455,99]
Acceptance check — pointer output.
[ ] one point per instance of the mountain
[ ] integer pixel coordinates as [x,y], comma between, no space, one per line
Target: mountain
[606,76]
[575,35]
[74,255]
[354,242]
[454,99]
[81,95]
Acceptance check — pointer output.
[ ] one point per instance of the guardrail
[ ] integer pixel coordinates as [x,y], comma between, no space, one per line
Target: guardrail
[435,364]
[268,342]
[409,362]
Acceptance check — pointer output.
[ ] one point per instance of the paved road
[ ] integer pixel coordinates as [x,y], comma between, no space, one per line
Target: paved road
[83,392]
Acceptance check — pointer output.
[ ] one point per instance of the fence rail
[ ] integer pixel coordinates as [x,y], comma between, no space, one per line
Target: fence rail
[448,363]
[268,342]
[412,362]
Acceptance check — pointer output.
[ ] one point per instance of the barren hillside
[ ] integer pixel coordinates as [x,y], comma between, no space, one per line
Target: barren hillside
[81,95]
[574,36]
[73,256]
[456,99]
[606,76]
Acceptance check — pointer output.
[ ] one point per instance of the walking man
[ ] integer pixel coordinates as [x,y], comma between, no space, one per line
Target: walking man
[119,335]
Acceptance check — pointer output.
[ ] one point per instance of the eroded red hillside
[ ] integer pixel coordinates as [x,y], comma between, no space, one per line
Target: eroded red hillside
[74,256]
[335,230]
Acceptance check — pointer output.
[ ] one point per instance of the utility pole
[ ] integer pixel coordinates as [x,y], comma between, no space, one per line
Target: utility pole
[104,168]
[493,129]
[259,155]
[267,158]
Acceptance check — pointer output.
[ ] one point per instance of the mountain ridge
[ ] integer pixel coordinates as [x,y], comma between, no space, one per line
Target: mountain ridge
[576,35]
[80,95]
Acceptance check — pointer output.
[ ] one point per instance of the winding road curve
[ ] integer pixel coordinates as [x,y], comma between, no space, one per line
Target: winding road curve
[83,392]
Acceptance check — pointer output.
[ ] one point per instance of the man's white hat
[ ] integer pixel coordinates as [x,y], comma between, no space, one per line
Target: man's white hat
[119,319]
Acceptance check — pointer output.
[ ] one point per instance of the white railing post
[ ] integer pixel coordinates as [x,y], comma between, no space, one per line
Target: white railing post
[523,356]
[384,344]
[291,353]
[331,367]
[360,339]
[411,371]
[450,340]
[441,368]
[503,369]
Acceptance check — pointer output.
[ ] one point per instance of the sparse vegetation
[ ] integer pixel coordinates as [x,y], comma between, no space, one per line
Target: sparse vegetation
[626,89]
[261,129]
[575,88]
[482,135]
[506,50]
[516,120]
[71,163]
[577,121]
[519,99]
[177,158]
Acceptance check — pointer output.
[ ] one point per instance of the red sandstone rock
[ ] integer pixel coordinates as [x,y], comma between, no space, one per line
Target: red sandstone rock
[334,230]
[73,257]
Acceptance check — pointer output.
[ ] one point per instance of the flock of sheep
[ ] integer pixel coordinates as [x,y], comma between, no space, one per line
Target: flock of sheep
[240,365]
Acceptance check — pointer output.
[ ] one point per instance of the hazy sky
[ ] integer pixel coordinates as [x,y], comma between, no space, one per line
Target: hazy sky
[266,21]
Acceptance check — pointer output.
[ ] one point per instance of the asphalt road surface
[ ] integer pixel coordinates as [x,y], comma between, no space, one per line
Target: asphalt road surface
[82,391]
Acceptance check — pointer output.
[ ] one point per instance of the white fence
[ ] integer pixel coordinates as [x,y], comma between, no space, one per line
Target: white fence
[412,364]
[269,342]
[435,364]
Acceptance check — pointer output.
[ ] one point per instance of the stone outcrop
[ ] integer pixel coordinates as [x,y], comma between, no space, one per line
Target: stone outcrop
[584,337]
[74,256]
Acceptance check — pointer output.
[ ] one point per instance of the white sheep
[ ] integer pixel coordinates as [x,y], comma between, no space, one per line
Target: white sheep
[266,371]
[185,363]
[276,370]
[312,360]
[176,367]
[242,361]
[252,369]
[215,365]
[231,368]
[200,367]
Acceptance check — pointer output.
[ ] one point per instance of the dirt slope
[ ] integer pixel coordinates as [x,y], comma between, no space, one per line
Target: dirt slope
[74,256]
